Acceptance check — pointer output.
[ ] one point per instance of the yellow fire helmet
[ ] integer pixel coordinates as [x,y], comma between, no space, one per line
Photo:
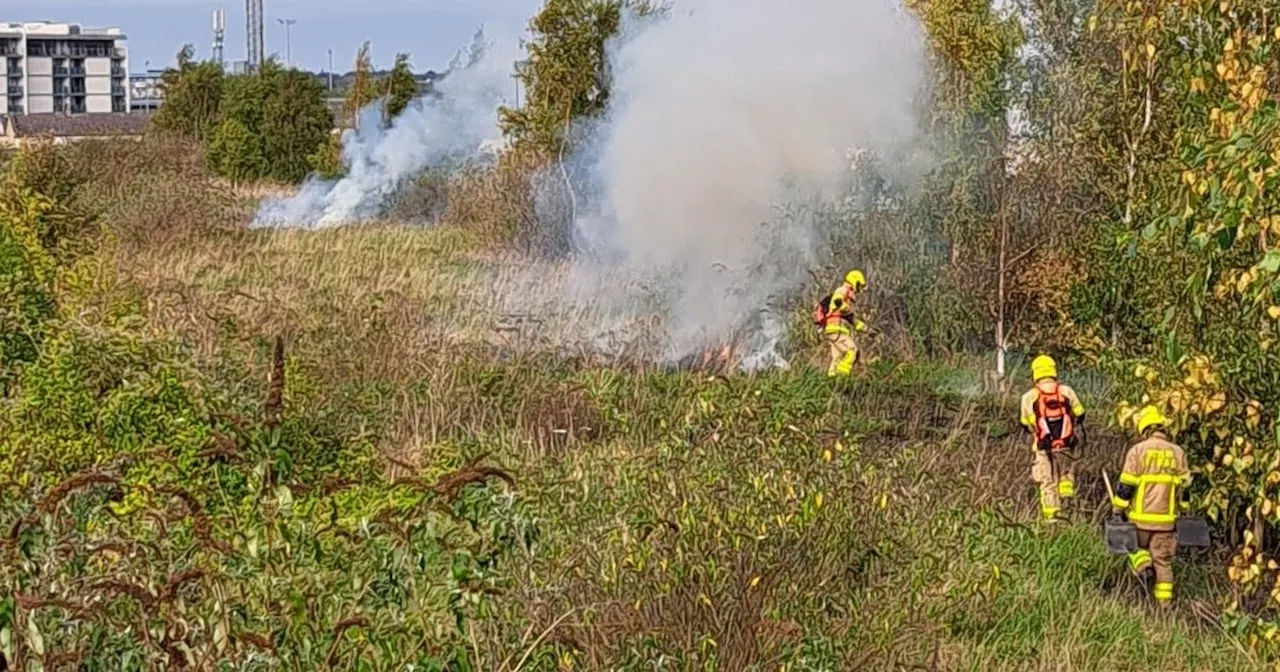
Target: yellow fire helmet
[1043,367]
[1149,417]
[855,279]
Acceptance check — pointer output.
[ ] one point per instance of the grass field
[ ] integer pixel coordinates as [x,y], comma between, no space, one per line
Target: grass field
[318,452]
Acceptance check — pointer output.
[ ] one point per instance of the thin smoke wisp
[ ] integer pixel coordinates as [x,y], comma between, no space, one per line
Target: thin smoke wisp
[458,123]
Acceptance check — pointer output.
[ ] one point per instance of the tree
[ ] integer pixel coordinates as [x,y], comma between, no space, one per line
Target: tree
[363,89]
[402,87]
[1216,291]
[192,96]
[975,81]
[236,152]
[566,75]
[297,124]
[326,162]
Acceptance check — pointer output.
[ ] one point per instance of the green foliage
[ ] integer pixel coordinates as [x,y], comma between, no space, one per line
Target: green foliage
[148,524]
[296,126]
[271,124]
[326,162]
[236,152]
[1213,367]
[40,242]
[26,280]
[402,88]
[192,97]
[565,75]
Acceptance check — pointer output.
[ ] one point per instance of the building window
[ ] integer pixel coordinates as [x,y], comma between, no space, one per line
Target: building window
[117,104]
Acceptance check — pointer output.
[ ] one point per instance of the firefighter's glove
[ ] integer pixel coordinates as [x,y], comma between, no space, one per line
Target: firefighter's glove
[859,326]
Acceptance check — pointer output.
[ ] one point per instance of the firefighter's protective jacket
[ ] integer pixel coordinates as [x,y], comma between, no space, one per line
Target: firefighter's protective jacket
[1153,485]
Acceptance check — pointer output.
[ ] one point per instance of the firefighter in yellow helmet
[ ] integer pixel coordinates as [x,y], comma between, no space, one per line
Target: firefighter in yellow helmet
[1152,491]
[834,315]
[1051,412]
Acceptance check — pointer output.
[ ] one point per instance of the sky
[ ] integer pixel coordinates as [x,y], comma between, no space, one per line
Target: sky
[430,30]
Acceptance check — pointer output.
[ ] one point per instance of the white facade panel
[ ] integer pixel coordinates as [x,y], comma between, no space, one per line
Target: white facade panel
[39,65]
[97,66]
[39,104]
[95,104]
[39,86]
[97,85]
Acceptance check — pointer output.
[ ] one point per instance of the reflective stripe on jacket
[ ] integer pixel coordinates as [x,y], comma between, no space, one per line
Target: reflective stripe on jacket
[1152,483]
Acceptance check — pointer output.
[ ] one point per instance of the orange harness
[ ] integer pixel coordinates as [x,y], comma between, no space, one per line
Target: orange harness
[1055,428]
[822,313]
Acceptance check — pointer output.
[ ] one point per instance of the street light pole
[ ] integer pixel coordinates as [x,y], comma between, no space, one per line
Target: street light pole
[330,71]
[288,39]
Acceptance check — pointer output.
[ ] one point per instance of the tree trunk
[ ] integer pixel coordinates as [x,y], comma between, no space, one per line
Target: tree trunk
[1002,254]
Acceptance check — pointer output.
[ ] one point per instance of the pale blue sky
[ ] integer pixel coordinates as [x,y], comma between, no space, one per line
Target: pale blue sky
[430,30]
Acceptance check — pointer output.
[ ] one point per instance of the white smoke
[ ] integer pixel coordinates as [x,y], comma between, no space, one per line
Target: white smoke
[457,124]
[710,181]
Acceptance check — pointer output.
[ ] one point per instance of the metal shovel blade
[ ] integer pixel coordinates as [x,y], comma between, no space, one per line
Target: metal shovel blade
[1193,531]
[1120,536]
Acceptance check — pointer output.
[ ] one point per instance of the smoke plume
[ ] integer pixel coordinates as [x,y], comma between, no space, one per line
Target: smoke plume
[458,123]
[709,187]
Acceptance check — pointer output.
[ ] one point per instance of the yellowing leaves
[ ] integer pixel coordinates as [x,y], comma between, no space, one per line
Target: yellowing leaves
[1253,413]
[1273,312]
[1215,403]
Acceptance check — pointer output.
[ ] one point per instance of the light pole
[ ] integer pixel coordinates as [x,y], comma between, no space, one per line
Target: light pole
[288,39]
[330,71]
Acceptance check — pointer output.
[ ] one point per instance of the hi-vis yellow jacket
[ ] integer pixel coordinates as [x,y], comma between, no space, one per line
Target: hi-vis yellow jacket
[1153,485]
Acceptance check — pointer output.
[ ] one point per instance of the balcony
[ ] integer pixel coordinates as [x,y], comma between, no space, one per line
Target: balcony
[117,70]
[15,90]
[77,71]
[117,89]
[61,71]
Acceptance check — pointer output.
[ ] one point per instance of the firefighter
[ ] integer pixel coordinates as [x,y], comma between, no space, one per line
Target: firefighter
[1155,475]
[834,315]
[1052,414]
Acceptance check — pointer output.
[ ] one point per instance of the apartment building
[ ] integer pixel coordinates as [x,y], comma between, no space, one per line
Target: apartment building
[63,68]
